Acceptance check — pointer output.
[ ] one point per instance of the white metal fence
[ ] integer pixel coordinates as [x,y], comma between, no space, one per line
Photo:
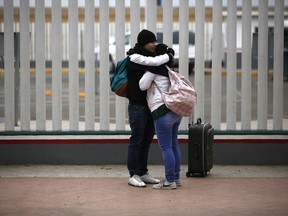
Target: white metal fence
[222,16]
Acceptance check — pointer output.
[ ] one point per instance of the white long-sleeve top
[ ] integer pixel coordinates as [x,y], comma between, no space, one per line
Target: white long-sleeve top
[154,97]
[149,60]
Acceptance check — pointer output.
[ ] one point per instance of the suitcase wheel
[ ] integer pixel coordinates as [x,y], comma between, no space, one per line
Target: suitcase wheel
[189,174]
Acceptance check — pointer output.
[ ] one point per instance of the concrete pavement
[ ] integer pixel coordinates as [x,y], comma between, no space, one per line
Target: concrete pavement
[115,171]
[103,190]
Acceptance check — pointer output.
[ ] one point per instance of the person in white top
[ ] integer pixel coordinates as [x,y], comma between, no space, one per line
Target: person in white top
[166,122]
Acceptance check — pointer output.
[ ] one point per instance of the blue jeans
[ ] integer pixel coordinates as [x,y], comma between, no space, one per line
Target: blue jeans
[142,132]
[167,135]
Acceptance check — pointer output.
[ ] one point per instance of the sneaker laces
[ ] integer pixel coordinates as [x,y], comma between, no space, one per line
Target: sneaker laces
[162,182]
[148,174]
[138,178]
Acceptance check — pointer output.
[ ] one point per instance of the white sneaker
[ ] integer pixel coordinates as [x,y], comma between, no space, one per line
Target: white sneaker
[136,181]
[165,185]
[148,179]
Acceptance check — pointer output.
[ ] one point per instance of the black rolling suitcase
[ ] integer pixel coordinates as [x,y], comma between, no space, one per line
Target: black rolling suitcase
[200,148]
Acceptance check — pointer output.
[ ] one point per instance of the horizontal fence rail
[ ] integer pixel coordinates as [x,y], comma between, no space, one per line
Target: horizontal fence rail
[55,72]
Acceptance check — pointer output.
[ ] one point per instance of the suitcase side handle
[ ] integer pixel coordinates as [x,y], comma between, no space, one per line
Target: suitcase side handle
[199,121]
[197,150]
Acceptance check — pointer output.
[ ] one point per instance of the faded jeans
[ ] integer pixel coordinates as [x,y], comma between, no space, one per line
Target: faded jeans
[167,134]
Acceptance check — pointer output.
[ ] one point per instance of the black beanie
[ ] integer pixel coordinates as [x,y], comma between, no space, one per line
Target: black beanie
[145,37]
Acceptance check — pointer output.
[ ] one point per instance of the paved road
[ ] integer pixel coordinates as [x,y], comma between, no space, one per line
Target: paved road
[65,98]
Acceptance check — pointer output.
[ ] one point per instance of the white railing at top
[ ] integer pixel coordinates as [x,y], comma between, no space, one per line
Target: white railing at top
[104,123]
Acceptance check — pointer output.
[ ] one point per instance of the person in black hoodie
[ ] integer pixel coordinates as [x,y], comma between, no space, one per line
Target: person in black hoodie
[140,118]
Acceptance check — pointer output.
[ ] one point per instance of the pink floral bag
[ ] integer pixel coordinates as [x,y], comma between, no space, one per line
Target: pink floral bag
[181,96]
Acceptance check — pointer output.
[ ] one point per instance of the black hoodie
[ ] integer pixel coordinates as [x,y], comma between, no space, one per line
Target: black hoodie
[135,73]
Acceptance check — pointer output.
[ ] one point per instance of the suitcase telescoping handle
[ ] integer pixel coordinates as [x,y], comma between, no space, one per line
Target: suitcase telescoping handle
[199,121]
[191,118]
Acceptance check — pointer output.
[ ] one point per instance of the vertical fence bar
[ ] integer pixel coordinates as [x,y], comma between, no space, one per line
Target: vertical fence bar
[231,65]
[183,45]
[25,103]
[151,15]
[134,20]
[246,66]
[199,58]
[278,65]
[9,85]
[167,20]
[120,54]
[184,37]
[208,40]
[104,65]
[40,65]
[65,44]
[48,39]
[17,73]
[73,65]
[56,65]
[32,39]
[216,64]
[262,102]
[89,65]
